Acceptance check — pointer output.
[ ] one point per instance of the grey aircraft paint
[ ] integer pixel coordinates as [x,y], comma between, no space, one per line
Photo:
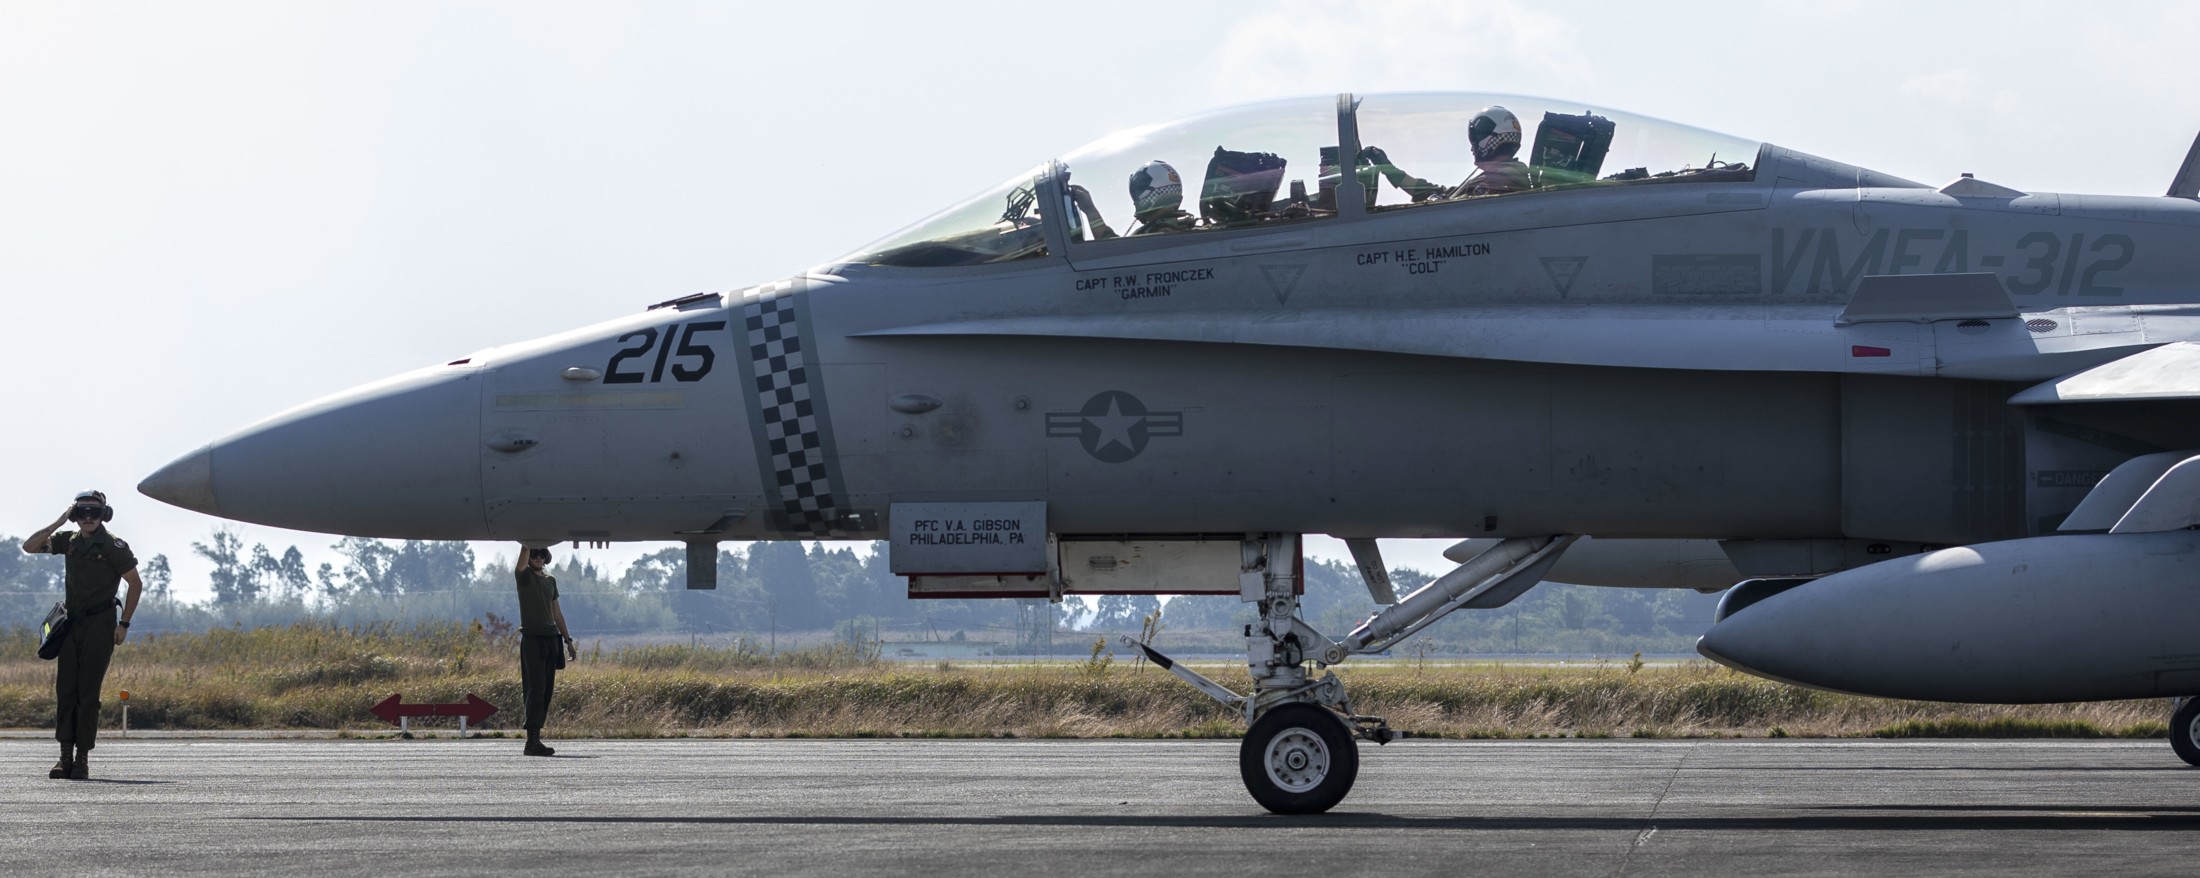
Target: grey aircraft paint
[1811,362]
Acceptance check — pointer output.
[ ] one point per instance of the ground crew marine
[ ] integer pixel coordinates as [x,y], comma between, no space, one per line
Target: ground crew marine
[96,563]
[544,644]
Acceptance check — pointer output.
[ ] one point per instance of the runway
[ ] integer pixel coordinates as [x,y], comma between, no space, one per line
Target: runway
[1135,808]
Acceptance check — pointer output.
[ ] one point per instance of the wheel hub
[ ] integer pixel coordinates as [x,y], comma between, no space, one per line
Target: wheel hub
[1297,760]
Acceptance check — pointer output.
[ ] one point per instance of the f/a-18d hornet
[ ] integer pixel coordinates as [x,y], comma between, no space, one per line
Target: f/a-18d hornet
[1942,436]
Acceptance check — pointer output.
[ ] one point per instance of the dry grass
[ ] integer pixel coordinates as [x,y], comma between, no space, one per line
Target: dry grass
[317,677]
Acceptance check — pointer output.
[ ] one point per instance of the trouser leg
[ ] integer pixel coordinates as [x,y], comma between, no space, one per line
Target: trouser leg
[535,678]
[64,693]
[549,677]
[82,671]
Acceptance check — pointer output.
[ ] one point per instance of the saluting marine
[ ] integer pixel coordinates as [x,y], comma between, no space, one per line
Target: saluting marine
[97,562]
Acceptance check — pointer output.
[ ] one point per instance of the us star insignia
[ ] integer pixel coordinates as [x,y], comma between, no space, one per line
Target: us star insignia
[1113,426]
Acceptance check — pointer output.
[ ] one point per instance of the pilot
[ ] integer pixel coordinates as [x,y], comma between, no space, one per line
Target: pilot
[1494,135]
[96,563]
[544,644]
[1157,200]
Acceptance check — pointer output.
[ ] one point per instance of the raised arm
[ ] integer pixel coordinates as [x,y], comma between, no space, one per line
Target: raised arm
[37,543]
[1414,187]
[1083,200]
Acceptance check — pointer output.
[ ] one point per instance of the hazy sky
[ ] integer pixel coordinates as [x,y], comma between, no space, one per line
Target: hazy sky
[213,211]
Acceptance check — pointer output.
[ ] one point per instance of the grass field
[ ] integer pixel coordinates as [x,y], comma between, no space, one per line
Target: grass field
[318,677]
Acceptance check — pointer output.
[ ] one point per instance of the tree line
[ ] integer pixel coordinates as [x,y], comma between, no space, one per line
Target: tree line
[769,589]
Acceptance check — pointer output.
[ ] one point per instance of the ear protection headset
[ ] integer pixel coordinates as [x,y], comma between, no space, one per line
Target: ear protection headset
[106,512]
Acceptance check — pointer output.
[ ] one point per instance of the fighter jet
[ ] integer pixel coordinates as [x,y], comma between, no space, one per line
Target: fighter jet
[1944,432]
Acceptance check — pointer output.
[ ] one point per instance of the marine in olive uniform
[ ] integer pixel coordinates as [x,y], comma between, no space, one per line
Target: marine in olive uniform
[97,562]
[544,644]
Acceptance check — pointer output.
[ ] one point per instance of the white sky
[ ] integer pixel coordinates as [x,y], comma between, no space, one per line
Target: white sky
[213,211]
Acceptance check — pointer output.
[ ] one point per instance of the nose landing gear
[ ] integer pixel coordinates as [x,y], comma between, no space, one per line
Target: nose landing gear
[1300,753]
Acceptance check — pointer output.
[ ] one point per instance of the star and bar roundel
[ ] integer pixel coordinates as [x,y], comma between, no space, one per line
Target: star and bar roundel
[1114,426]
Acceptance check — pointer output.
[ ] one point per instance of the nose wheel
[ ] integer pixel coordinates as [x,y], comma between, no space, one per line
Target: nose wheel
[1298,759]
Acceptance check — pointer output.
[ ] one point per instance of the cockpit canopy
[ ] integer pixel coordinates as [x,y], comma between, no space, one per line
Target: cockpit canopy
[1279,162]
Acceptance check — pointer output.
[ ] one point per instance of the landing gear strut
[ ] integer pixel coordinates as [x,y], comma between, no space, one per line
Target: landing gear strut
[1300,754]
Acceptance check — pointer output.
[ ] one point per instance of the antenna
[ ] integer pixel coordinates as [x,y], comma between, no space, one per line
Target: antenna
[2187,183]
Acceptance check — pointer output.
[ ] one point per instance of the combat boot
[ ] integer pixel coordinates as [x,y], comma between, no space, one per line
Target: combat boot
[81,769]
[61,769]
[535,746]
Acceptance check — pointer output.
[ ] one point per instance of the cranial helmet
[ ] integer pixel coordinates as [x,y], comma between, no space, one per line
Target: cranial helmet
[90,498]
[1495,133]
[1156,188]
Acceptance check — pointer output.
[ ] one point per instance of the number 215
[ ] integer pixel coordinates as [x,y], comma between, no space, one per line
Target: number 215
[643,340]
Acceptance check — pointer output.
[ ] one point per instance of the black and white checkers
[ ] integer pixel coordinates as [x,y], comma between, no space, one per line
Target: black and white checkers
[787,411]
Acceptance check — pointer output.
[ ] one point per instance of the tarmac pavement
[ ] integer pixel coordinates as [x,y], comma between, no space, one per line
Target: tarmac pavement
[170,805]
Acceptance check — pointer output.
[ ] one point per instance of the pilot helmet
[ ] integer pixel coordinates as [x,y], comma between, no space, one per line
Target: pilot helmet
[1494,133]
[1156,188]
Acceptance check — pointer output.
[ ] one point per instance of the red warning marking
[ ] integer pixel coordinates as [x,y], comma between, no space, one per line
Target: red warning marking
[393,708]
[1858,350]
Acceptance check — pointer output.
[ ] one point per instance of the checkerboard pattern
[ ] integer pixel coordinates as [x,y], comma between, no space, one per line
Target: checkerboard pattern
[789,410]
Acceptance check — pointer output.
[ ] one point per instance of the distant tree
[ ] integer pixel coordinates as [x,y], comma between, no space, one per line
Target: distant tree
[783,569]
[231,579]
[264,570]
[1207,612]
[1123,612]
[19,571]
[377,567]
[1575,609]
[595,605]
[1633,610]
[427,566]
[368,566]
[877,591]
[290,574]
[659,571]
[158,576]
[843,585]
[29,584]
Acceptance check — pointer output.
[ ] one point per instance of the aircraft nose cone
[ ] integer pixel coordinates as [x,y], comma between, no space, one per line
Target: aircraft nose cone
[187,482]
[399,458]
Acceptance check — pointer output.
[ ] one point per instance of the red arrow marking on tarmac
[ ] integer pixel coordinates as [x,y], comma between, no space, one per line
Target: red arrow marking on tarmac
[473,709]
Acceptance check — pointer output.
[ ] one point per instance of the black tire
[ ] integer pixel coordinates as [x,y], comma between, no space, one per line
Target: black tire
[1298,759]
[2184,731]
